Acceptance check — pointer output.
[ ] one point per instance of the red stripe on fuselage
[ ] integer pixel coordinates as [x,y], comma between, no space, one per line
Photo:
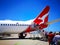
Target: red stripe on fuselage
[29,29]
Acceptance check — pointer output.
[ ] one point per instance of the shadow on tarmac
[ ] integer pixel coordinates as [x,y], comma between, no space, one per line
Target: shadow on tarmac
[37,38]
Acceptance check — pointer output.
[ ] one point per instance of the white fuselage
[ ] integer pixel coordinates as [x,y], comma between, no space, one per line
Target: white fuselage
[13,26]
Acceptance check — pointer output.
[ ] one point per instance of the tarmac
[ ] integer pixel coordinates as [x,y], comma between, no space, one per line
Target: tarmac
[22,42]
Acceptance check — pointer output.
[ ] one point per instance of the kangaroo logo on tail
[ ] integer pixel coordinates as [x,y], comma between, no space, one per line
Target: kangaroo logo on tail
[43,16]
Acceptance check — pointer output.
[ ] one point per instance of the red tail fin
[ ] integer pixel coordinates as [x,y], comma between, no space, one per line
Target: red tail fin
[43,16]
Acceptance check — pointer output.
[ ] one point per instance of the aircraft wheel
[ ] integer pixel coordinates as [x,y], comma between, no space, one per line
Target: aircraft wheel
[22,36]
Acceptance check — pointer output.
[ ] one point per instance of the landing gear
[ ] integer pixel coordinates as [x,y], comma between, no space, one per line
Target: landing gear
[22,36]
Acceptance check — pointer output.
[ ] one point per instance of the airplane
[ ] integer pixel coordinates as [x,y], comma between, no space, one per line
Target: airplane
[16,27]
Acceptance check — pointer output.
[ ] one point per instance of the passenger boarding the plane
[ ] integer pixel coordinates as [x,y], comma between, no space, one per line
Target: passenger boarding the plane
[56,39]
[50,38]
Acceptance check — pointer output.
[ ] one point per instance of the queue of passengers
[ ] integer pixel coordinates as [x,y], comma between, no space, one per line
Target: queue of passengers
[53,38]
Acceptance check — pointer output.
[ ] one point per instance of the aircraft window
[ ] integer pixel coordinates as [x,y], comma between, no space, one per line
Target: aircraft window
[19,24]
[1,24]
[5,24]
[12,24]
[8,24]
[15,24]
[24,24]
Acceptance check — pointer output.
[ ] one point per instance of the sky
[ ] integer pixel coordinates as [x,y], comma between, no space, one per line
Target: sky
[22,10]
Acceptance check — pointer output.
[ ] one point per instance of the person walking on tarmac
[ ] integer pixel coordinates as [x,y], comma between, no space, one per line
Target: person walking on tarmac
[50,38]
